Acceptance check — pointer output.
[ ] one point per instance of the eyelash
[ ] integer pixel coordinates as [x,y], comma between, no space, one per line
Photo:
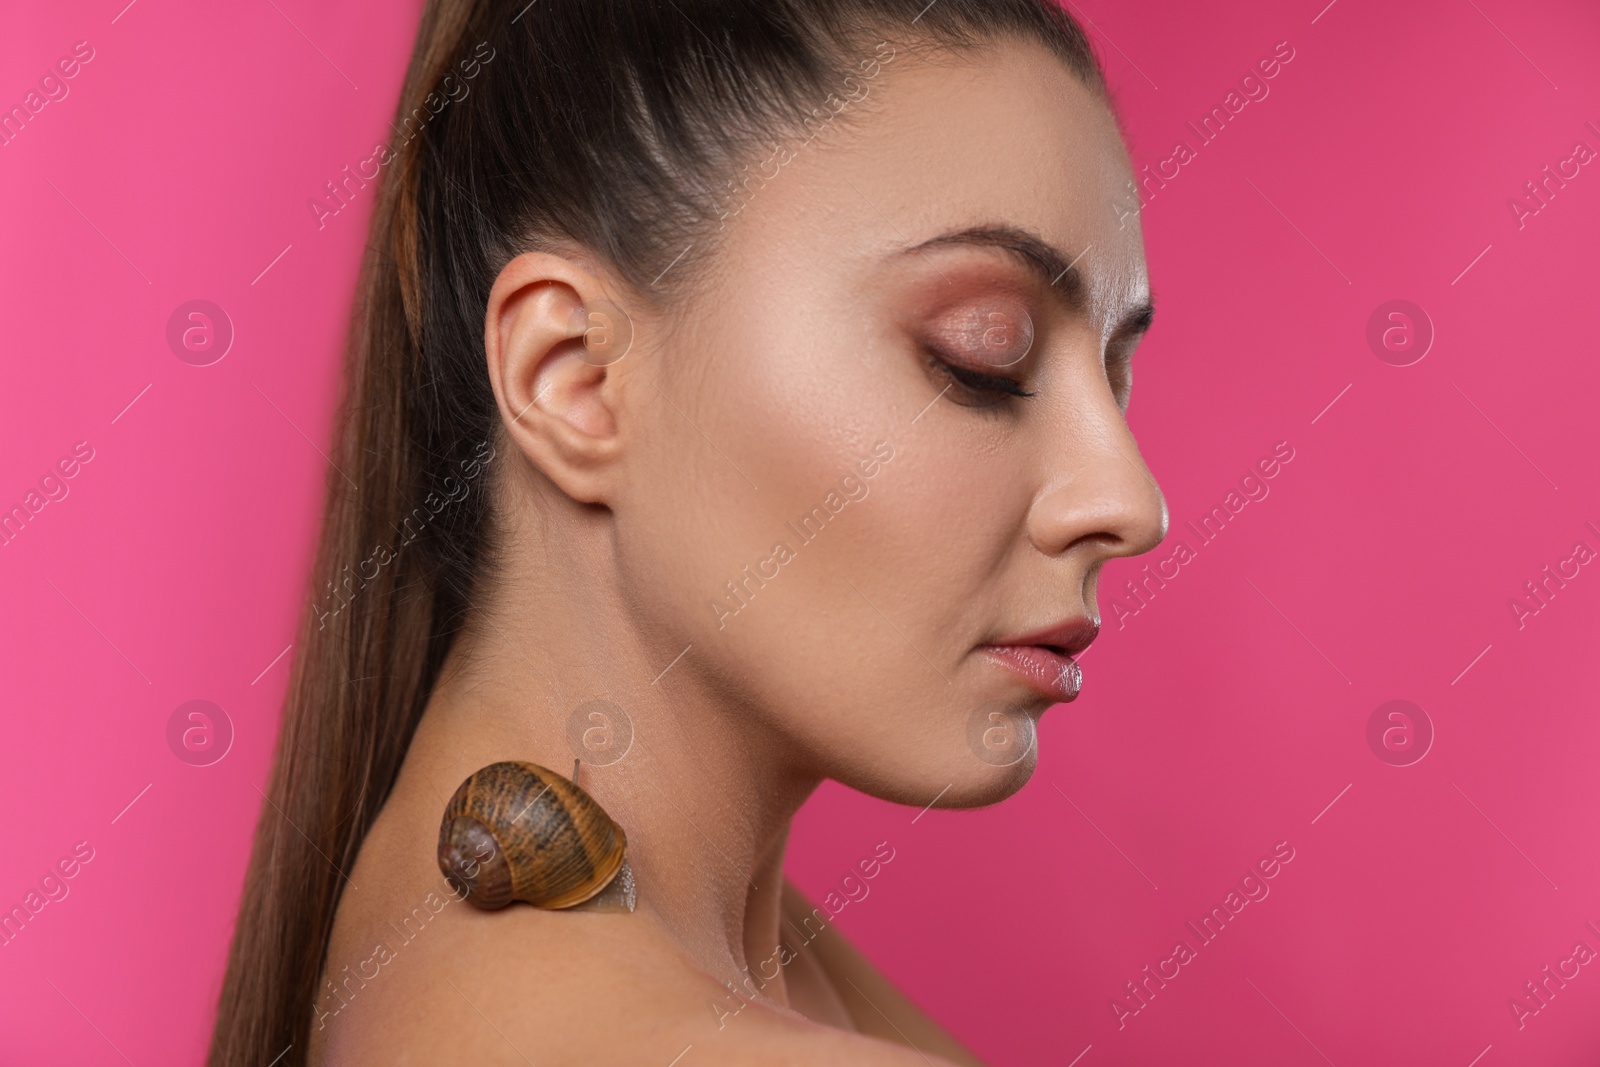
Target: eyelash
[980,390]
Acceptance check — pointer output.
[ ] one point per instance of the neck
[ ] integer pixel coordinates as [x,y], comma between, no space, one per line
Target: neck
[704,793]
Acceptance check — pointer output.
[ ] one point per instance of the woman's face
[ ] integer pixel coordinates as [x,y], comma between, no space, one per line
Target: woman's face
[888,453]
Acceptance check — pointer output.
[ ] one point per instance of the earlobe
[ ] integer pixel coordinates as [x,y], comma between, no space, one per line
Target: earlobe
[552,340]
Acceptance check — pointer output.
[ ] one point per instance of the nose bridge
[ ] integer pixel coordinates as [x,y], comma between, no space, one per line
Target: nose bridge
[1097,488]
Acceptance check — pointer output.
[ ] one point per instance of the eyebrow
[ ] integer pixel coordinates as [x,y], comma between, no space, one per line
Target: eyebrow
[1044,261]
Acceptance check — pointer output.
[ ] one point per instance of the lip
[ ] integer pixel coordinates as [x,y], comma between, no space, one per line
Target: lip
[1044,659]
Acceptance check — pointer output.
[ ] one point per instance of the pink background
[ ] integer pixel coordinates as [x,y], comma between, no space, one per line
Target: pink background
[1224,717]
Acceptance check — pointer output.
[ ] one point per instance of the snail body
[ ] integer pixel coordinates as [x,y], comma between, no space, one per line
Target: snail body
[519,831]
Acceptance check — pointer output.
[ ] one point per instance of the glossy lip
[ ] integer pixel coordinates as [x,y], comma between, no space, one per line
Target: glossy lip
[1044,658]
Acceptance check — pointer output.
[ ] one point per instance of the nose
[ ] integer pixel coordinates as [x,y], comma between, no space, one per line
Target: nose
[1099,499]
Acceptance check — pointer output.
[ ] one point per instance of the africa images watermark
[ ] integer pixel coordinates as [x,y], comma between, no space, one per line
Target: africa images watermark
[53,88]
[1253,486]
[756,979]
[52,887]
[1553,578]
[1539,991]
[455,490]
[1539,192]
[744,187]
[386,951]
[53,484]
[452,89]
[1253,887]
[1254,89]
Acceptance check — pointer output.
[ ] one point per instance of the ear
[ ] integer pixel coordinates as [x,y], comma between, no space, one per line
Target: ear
[552,339]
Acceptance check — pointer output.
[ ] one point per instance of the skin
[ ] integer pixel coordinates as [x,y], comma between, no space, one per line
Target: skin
[630,493]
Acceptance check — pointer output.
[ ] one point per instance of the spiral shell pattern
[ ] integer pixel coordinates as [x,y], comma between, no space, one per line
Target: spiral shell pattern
[519,831]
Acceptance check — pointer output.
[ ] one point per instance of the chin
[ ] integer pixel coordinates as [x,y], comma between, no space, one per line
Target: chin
[987,784]
[953,778]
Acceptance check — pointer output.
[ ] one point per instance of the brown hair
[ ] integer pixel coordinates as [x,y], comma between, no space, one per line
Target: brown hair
[609,125]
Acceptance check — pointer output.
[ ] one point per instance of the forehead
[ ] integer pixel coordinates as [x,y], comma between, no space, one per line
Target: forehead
[1005,135]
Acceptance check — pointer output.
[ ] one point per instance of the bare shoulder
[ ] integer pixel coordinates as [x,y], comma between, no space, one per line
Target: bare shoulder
[522,986]
[875,1004]
[416,976]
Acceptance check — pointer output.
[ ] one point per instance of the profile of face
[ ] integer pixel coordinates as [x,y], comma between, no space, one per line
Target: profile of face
[864,479]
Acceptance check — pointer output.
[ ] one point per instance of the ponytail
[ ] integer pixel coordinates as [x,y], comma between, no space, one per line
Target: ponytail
[370,644]
[610,125]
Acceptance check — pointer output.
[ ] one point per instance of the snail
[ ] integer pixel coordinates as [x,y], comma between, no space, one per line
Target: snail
[519,831]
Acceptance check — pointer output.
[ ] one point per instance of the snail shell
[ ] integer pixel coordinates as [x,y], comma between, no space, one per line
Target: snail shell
[519,831]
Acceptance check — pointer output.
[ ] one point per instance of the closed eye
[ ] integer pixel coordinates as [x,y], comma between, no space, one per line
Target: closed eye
[972,388]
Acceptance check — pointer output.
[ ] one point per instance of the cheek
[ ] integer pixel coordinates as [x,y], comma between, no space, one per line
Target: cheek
[757,422]
[940,520]
[801,416]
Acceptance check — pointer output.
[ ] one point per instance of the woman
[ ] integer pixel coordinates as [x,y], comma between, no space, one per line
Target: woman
[736,400]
